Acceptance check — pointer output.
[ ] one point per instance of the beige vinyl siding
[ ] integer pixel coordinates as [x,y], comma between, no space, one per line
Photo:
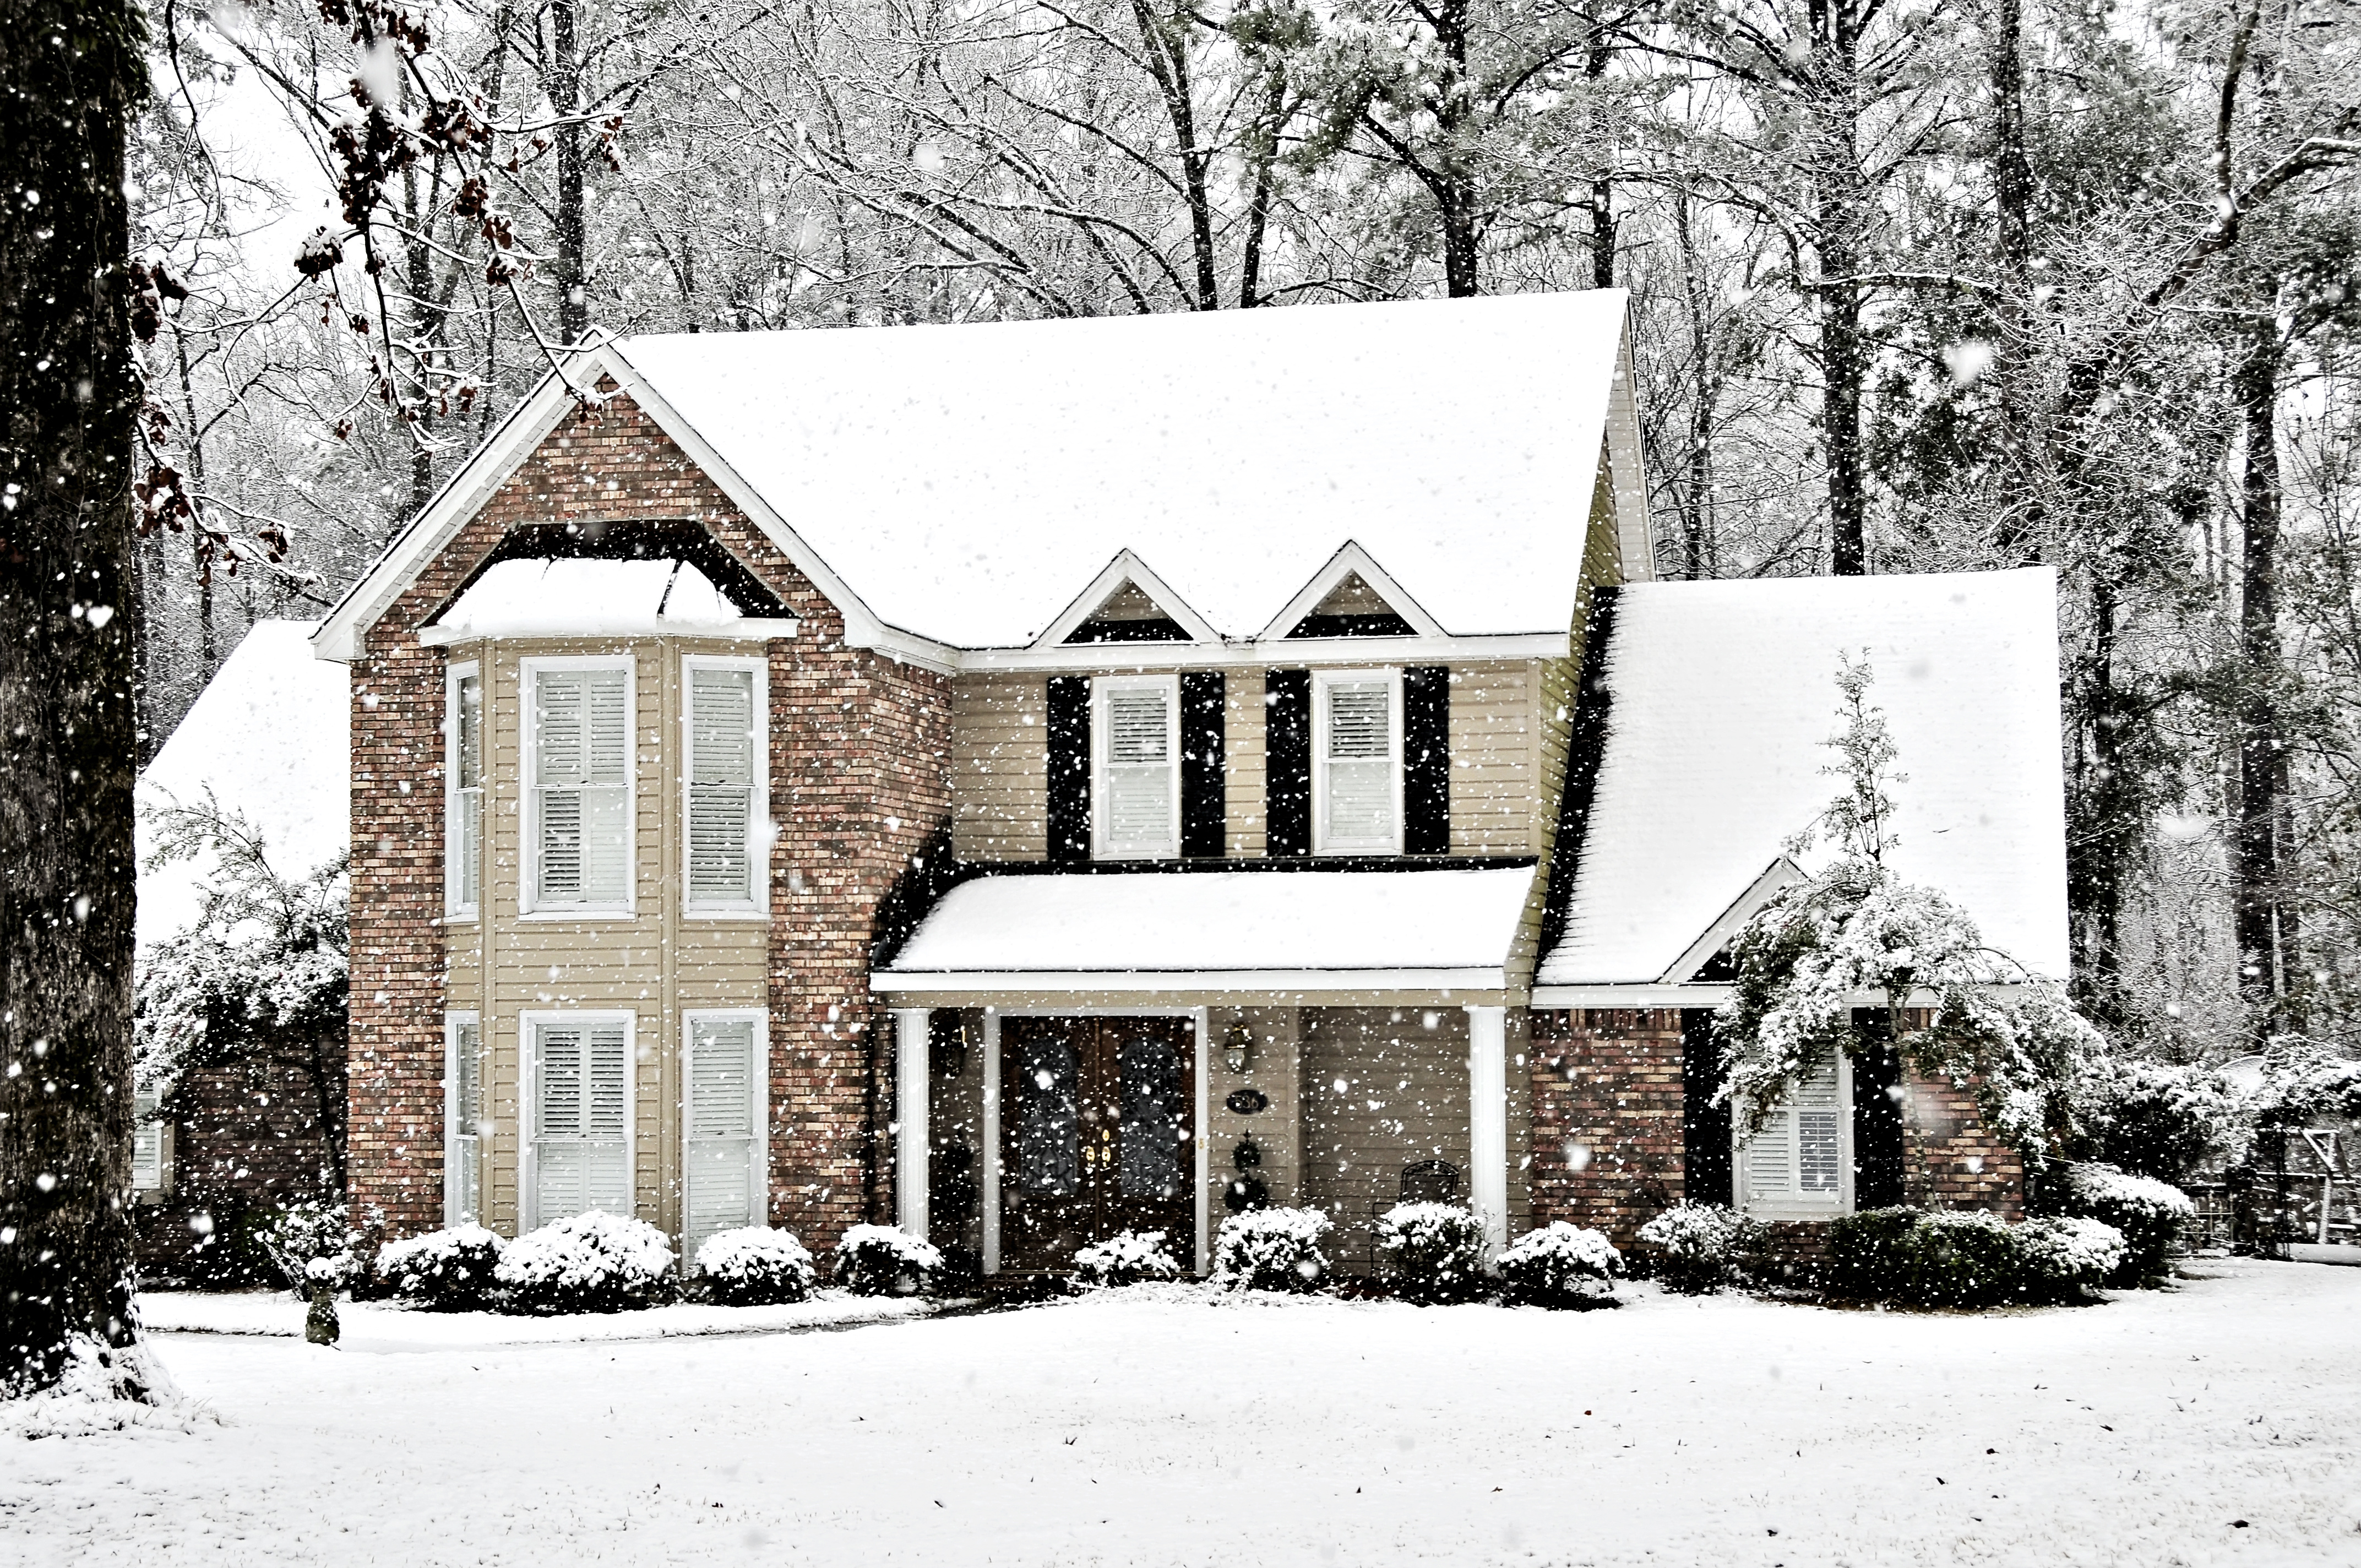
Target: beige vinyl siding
[1244,730]
[1000,767]
[655,964]
[1272,1066]
[1405,1098]
[1495,777]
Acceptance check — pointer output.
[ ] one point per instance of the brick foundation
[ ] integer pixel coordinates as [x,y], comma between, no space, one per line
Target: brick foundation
[859,780]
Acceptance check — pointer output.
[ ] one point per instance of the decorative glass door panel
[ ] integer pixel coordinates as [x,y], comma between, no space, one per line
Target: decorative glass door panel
[1099,1134]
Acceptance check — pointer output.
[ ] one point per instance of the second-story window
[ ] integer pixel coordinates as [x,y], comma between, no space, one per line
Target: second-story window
[1135,720]
[725,776]
[1357,768]
[464,840]
[581,786]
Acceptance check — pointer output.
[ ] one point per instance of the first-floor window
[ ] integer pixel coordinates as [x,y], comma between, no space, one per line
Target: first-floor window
[1796,1166]
[580,1146]
[463,1112]
[146,1141]
[722,1153]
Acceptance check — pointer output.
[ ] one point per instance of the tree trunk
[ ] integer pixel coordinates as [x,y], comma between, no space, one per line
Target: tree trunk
[1698,522]
[2265,926]
[573,222]
[1455,189]
[1596,60]
[2022,517]
[70,72]
[1164,41]
[1839,203]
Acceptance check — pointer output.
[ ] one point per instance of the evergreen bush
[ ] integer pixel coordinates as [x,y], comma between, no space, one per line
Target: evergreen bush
[1272,1249]
[1436,1252]
[879,1260]
[2151,1215]
[1693,1248]
[754,1266]
[1965,1258]
[591,1263]
[455,1270]
[1127,1257]
[1561,1265]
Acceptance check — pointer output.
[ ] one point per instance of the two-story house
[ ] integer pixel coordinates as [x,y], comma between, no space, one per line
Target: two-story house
[1035,780]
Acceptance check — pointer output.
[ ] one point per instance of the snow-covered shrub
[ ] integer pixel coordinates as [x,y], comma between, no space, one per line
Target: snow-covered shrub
[2151,1215]
[1561,1265]
[303,1235]
[754,1266]
[2162,1119]
[2071,1252]
[1272,1249]
[591,1263]
[879,1260]
[1697,1248]
[1126,1258]
[444,1271]
[1435,1251]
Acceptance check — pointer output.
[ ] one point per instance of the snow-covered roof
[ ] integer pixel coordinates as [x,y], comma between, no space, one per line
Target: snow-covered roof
[958,486]
[270,736]
[1277,924]
[528,598]
[1722,694]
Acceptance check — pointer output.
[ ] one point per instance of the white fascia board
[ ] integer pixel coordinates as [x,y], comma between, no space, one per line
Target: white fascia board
[1647,994]
[753,629]
[1093,658]
[1273,983]
[1351,560]
[862,629]
[1634,529]
[1125,567]
[461,497]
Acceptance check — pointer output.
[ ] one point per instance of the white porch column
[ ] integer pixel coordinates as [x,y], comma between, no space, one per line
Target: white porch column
[1488,1118]
[992,1140]
[1203,1164]
[910,1119]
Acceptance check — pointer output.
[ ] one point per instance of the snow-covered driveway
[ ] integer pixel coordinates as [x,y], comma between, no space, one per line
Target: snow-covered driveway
[1175,1429]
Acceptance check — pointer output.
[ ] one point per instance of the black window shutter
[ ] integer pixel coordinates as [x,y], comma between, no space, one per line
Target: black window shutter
[1876,1112]
[1705,1126]
[1205,795]
[1426,760]
[1287,762]
[1070,767]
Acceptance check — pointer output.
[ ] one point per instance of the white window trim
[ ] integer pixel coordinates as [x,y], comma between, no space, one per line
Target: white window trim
[453,1024]
[529,751]
[529,1215]
[1101,686]
[1320,681]
[760,831]
[453,909]
[761,1109]
[1799,1207]
[163,1126]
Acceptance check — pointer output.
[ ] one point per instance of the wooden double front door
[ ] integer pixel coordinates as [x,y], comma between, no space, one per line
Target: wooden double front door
[1097,1135]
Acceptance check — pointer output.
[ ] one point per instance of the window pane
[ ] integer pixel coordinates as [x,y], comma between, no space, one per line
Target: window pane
[720,1156]
[721,726]
[1048,1125]
[1770,1163]
[580,1160]
[1360,719]
[1151,1130]
[1359,808]
[468,758]
[1139,725]
[1817,1132]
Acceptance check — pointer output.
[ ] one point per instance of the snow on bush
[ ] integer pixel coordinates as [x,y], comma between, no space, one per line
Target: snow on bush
[301,1235]
[2072,1251]
[2150,1215]
[1126,1258]
[756,1267]
[1561,1265]
[1697,1247]
[1272,1249]
[591,1263]
[879,1260]
[455,1270]
[1436,1252]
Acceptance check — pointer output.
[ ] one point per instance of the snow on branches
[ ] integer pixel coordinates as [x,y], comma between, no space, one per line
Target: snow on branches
[1856,928]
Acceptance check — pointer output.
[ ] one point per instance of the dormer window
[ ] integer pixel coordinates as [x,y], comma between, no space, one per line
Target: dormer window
[1357,762]
[1135,721]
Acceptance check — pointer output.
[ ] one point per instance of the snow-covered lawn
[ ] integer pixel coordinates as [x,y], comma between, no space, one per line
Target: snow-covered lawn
[1164,1426]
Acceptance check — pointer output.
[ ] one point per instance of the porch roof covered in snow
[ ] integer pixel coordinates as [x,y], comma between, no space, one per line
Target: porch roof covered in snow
[1708,713]
[1307,935]
[954,489]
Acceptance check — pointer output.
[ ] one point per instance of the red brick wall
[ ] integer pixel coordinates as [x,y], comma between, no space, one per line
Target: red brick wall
[1607,1131]
[247,1136]
[859,780]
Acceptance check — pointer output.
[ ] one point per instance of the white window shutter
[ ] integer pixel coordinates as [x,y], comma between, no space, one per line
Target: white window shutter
[1360,765]
[147,1142]
[582,771]
[1770,1156]
[722,737]
[580,1159]
[1141,774]
[1798,1153]
[723,1128]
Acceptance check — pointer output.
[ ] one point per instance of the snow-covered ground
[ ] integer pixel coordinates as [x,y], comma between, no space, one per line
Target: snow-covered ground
[1165,1426]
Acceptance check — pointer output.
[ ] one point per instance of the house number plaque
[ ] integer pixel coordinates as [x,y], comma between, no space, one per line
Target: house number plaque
[1247,1102]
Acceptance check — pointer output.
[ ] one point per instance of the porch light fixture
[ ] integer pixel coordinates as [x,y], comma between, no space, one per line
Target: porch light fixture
[1237,1044]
